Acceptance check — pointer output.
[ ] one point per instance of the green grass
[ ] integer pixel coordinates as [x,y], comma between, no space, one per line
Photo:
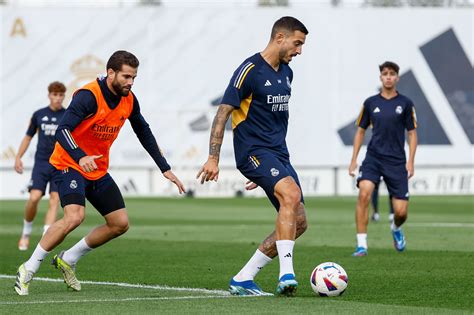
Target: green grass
[201,243]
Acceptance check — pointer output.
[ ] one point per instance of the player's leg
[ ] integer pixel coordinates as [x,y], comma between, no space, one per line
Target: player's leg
[36,188]
[375,204]
[52,213]
[105,196]
[396,178]
[367,179]
[391,215]
[31,208]
[72,194]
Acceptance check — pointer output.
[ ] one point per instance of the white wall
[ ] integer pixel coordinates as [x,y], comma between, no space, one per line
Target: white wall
[187,56]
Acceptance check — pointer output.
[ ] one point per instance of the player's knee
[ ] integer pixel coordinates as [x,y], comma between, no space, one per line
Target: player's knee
[364,196]
[119,227]
[53,198]
[292,198]
[35,198]
[73,220]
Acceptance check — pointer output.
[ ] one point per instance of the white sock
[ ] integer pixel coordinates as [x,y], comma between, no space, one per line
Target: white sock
[285,254]
[253,266]
[362,240]
[45,228]
[72,255]
[27,227]
[36,259]
[394,227]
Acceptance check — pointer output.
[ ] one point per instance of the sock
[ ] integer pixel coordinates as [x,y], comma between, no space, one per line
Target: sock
[285,254]
[27,227]
[362,240]
[36,259]
[253,266]
[45,228]
[72,255]
[394,227]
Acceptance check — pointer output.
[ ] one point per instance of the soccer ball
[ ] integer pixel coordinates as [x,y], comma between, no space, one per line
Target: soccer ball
[329,279]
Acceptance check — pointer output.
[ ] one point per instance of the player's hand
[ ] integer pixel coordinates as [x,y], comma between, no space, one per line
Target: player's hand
[210,171]
[87,163]
[410,169]
[249,185]
[19,166]
[352,168]
[175,180]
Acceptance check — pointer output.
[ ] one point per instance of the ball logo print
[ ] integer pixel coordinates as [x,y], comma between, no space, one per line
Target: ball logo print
[73,184]
[399,110]
[274,172]
[329,279]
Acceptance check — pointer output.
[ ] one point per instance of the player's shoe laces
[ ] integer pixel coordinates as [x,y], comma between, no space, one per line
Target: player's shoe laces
[399,240]
[23,279]
[68,272]
[246,288]
[359,252]
[24,242]
[375,217]
[287,285]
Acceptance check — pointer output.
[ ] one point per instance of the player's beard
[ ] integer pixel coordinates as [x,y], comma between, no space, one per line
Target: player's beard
[282,55]
[120,90]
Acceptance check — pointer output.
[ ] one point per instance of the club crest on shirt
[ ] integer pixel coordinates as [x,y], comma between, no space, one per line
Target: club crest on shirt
[398,110]
[288,82]
[274,172]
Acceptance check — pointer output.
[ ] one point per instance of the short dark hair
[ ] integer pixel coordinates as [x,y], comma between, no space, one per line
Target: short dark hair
[56,87]
[120,58]
[391,65]
[288,23]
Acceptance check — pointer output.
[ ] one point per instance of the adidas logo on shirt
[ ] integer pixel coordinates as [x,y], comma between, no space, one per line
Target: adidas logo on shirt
[45,118]
[268,83]
[376,110]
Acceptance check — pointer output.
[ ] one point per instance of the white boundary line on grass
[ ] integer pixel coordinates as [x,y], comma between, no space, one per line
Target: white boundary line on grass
[131,285]
[119,300]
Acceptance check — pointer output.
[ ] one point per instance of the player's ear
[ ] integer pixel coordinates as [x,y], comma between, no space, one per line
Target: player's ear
[279,37]
[111,73]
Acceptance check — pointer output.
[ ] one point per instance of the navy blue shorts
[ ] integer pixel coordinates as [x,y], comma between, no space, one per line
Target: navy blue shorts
[395,175]
[43,172]
[265,170]
[102,193]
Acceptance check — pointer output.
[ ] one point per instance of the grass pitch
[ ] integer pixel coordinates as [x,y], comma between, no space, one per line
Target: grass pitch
[180,254]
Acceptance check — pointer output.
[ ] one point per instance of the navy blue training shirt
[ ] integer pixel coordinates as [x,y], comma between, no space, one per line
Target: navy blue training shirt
[84,105]
[45,121]
[260,96]
[389,118]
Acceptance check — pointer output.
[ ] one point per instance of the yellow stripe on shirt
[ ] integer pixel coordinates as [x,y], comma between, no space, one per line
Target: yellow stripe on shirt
[239,115]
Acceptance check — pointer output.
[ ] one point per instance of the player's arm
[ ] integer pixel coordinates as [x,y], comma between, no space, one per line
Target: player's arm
[210,170]
[148,141]
[25,143]
[363,121]
[411,125]
[83,106]
[239,88]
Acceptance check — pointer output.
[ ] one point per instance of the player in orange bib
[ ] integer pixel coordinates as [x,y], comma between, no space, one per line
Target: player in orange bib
[90,125]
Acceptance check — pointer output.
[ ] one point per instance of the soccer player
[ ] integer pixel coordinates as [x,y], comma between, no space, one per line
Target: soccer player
[257,97]
[89,127]
[45,121]
[390,113]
